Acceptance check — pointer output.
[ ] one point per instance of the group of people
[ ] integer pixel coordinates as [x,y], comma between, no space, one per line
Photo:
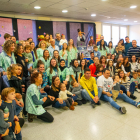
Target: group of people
[55,74]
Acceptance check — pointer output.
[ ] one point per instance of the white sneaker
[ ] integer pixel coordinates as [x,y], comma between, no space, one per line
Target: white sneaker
[138,90]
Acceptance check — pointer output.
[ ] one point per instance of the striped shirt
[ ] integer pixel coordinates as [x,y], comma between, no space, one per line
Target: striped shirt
[134,51]
[126,83]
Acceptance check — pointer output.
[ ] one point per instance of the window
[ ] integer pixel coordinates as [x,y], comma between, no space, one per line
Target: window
[115,35]
[107,33]
[123,32]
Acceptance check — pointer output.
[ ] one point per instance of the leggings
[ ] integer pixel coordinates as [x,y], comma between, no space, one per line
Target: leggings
[46,117]
[68,102]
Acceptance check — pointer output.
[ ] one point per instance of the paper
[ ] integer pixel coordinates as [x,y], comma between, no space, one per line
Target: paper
[39,27]
[0,35]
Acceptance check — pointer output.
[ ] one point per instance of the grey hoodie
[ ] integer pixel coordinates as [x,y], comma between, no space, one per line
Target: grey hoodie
[3,125]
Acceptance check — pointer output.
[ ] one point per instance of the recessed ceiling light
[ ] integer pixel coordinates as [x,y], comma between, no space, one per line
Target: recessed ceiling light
[135,21]
[65,11]
[93,15]
[133,6]
[125,19]
[37,7]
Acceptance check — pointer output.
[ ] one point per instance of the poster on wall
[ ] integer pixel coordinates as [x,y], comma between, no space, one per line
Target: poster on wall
[98,37]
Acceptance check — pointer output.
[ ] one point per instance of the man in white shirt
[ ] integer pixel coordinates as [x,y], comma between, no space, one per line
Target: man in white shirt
[106,83]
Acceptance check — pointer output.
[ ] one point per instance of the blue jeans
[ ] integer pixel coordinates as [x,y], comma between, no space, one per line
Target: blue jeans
[74,97]
[58,105]
[18,109]
[126,99]
[104,97]
[131,89]
[11,130]
[86,96]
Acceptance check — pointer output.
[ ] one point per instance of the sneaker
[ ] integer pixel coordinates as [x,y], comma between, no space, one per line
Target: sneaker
[123,110]
[138,105]
[79,102]
[65,107]
[30,117]
[93,104]
[138,90]
[133,97]
[84,101]
[72,107]
[98,103]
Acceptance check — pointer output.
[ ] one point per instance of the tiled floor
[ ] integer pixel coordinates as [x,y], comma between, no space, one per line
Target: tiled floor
[87,123]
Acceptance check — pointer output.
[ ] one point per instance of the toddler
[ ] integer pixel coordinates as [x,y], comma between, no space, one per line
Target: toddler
[77,89]
[28,56]
[9,104]
[4,126]
[116,87]
[136,80]
[96,52]
[63,40]
[63,95]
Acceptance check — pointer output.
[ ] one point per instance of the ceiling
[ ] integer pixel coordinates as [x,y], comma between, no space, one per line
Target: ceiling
[109,11]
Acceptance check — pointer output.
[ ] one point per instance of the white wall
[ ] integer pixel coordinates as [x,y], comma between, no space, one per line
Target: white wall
[134,33]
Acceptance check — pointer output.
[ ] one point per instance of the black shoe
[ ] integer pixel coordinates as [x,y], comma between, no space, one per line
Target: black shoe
[133,97]
[98,103]
[122,110]
[93,104]
[79,102]
[83,101]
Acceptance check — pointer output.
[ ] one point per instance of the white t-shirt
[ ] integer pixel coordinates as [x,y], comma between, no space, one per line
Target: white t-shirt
[106,84]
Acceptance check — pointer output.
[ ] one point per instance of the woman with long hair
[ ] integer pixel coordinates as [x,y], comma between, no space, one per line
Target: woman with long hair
[103,61]
[83,65]
[47,39]
[56,56]
[7,56]
[126,87]
[110,47]
[53,70]
[72,51]
[45,59]
[102,48]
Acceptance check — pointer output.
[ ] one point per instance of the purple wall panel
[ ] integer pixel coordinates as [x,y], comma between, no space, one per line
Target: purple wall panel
[25,29]
[73,31]
[5,27]
[59,27]
[34,31]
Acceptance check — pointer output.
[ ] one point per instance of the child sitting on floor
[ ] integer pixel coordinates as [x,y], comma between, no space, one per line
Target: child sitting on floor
[136,80]
[63,95]
[28,56]
[9,104]
[116,87]
[4,126]
[77,89]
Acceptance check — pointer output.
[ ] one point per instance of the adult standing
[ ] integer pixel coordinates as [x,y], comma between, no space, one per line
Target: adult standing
[7,56]
[128,44]
[106,83]
[57,40]
[47,39]
[134,50]
[90,91]
[99,42]
[102,48]
[72,51]
[52,47]
[93,67]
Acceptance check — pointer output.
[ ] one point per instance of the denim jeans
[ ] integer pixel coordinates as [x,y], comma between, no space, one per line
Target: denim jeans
[86,96]
[11,130]
[131,89]
[126,99]
[58,105]
[104,97]
[18,109]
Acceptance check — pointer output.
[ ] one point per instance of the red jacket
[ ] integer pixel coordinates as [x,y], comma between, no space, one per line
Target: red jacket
[92,67]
